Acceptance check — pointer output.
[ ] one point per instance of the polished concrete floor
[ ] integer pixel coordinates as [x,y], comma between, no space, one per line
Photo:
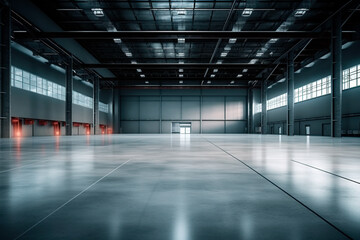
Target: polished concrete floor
[180,187]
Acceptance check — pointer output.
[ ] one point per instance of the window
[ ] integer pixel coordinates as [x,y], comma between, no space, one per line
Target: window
[258,108]
[30,82]
[351,77]
[103,107]
[312,90]
[82,100]
[276,102]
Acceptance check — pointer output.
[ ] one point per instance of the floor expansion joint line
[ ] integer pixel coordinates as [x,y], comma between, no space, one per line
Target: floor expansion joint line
[284,191]
[71,199]
[19,167]
[336,175]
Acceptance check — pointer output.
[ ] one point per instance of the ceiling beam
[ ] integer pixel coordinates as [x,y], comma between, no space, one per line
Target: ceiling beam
[173,34]
[176,87]
[177,66]
[169,79]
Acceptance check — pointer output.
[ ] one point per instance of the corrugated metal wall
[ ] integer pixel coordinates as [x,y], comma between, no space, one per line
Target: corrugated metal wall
[153,111]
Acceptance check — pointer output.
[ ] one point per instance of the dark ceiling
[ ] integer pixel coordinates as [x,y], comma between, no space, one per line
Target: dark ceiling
[268,55]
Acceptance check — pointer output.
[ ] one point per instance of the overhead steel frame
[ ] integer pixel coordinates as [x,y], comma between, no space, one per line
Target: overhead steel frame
[177,65]
[290,94]
[172,35]
[336,76]
[5,70]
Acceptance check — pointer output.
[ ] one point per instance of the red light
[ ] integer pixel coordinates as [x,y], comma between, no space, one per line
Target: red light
[18,134]
[57,133]
[102,132]
[88,133]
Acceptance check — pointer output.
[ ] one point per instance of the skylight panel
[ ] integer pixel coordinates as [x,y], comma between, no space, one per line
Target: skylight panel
[247,12]
[300,12]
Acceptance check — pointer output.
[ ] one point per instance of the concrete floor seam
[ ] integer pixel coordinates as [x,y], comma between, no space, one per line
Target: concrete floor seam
[71,199]
[25,165]
[334,174]
[284,191]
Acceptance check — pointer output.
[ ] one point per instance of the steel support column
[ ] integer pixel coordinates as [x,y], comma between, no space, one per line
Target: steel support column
[116,111]
[96,92]
[5,70]
[336,76]
[250,108]
[69,96]
[290,94]
[263,106]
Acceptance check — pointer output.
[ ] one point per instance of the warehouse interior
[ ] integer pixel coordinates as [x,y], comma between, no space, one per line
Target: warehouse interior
[179,119]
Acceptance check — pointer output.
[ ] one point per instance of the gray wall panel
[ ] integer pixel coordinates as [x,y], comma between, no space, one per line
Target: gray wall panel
[171,110]
[130,108]
[213,108]
[235,126]
[81,114]
[191,110]
[149,110]
[166,127]
[235,108]
[27,104]
[149,127]
[182,106]
[213,127]
[130,126]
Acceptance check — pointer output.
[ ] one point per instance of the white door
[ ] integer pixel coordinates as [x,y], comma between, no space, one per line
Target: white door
[182,130]
[307,129]
[187,130]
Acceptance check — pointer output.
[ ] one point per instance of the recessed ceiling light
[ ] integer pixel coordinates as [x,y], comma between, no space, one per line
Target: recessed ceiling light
[117,40]
[223,54]
[147,82]
[219,62]
[181,54]
[181,75]
[239,75]
[181,40]
[181,62]
[98,12]
[300,12]
[181,81]
[232,82]
[232,40]
[216,70]
[245,70]
[142,75]
[247,12]
[273,40]
[212,75]
[253,61]
[227,48]
[208,82]
[128,54]
[181,70]
[181,12]
[133,62]
[259,54]
[138,70]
